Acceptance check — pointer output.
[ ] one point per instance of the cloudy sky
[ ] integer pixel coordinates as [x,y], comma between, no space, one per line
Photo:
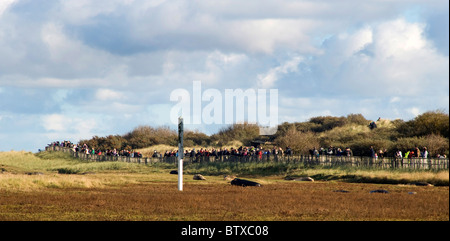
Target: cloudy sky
[72,69]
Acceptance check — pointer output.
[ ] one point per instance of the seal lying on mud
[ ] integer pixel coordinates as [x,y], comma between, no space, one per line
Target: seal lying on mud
[379,191]
[244,183]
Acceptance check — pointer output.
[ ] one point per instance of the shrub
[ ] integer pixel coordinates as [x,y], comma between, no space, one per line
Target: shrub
[299,142]
[362,147]
[193,138]
[432,122]
[327,122]
[358,119]
[244,133]
[435,144]
[144,136]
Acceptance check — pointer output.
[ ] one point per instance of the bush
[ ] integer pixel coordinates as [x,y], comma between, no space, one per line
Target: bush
[299,142]
[104,143]
[145,136]
[342,136]
[362,147]
[358,119]
[432,122]
[327,122]
[435,144]
[196,138]
[244,133]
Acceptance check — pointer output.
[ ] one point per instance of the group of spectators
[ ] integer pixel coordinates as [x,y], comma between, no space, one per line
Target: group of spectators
[92,151]
[68,144]
[331,151]
[413,153]
[244,151]
[108,152]
[241,151]
[409,154]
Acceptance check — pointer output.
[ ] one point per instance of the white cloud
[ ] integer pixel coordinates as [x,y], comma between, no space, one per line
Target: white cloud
[224,60]
[61,126]
[390,58]
[399,38]
[107,94]
[269,79]
[406,60]
[72,55]
[268,35]
[56,122]
[414,110]
[5,4]
[395,99]
[60,47]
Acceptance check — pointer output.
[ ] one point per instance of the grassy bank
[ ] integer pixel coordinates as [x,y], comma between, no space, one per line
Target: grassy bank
[25,171]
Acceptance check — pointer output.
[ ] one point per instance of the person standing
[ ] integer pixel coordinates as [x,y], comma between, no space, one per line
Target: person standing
[372,152]
[425,153]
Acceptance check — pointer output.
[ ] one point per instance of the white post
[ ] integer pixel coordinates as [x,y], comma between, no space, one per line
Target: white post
[180,154]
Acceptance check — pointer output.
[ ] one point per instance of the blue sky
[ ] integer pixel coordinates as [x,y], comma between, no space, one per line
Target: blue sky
[72,69]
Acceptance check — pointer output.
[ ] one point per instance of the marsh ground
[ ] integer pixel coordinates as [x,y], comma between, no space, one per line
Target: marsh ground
[219,201]
[32,188]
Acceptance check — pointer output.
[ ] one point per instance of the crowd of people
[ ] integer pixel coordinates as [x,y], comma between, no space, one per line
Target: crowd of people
[416,152]
[331,151]
[244,151]
[92,151]
[68,144]
[241,151]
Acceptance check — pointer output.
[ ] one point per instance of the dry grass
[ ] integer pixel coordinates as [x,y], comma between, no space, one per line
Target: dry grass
[280,201]
[30,183]
[405,177]
[385,123]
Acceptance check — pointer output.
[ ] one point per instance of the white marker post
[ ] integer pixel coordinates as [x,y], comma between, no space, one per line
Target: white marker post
[180,154]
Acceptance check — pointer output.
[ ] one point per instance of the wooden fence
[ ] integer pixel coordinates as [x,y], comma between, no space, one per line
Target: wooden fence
[324,160]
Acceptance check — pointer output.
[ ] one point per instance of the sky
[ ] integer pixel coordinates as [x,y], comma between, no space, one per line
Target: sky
[74,69]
